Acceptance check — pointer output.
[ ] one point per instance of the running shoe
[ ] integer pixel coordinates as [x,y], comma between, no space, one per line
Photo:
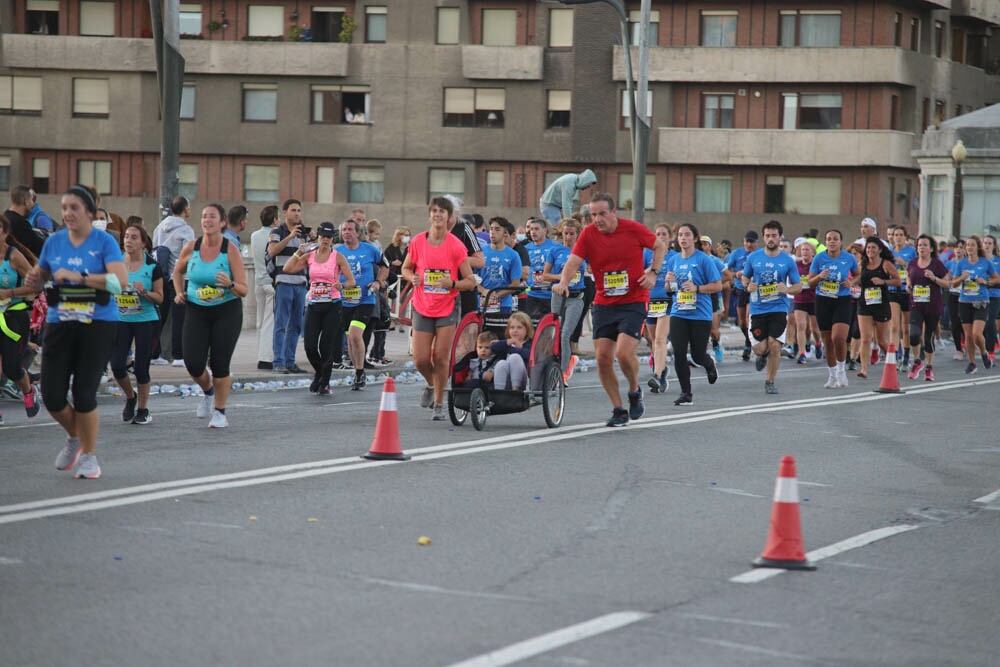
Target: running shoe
[958,356]
[842,378]
[89,468]
[987,361]
[368,365]
[159,361]
[711,371]
[128,414]
[928,374]
[438,413]
[915,369]
[205,406]
[280,370]
[314,385]
[427,398]
[691,362]
[833,381]
[570,367]
[788,352]
[69,454]
[31,406]
[852,364]
[142,417]
[178,362]
[636,407]
[874,357]
[619,417]
[265,365]
[719,353]
[970,369]
[11,390]
[746,353]
[359,382]
[769,388]
[340,366]
[659,385]
[819,350]
[324,389]
[219,420]
[684,400]
[761,361]
[801,359]
[294,369]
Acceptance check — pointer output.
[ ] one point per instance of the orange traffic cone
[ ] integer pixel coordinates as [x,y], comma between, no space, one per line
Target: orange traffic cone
[784,541]
[385,445]
[890,383]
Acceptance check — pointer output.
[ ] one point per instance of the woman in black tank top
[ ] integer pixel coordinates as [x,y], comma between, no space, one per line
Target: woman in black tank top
[874,313]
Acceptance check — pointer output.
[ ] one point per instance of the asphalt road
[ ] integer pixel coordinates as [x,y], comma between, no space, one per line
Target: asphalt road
[273,543]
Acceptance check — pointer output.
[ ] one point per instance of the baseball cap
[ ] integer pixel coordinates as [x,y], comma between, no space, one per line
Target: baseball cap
[326,229]
[870,222]
[751,235]
[799,241]
[707,239]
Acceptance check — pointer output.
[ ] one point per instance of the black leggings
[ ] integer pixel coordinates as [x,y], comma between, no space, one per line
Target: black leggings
[928,322]
[685,334]
[12,351]
[957,332]
[322,330]
[142,334]
[215,328]
[79,350]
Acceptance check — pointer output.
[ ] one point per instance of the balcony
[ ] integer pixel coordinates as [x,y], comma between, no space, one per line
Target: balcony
[984,10]
[119,54]
[791,148]
[521,63]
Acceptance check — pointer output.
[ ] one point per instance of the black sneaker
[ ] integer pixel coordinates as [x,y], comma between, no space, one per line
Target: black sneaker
[760,362]
[359,382]
[295,369]
[339,366]
[710,370]
[324,389]
[684,400]
[314,385]
[128,414]
[265,365]
[142,417]
[746,353]
[618,418]
[851,364]
[636,408]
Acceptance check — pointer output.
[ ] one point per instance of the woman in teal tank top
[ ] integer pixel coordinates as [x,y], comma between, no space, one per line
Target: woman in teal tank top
[15,313]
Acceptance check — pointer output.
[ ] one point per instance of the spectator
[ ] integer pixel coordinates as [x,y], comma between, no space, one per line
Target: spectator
[38,218]
[264,289]
[373,233]
[289,289]
[558,200]
[173,233]
[236,222]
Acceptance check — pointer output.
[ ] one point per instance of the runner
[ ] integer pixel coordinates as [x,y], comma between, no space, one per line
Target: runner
[805,303]
[899,297]
[15,313]
[693,278]
[954,292]
[854,331]
[574,302]
[613,247]
[974,273]
[502,269]
[715,334]
[85,267]
[926,276]
[830,275]
[539,301]
[737,259]
[768,275]
[990,252]
[874,312]
[658,313]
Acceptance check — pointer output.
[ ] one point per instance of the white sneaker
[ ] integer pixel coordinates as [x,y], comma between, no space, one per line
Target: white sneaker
[833,381]
[69,454]
[205,407]
[159,361]
[178,362]
[842,378]
[89,468]
[219,420]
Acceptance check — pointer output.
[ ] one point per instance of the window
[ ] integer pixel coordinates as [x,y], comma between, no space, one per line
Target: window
[446,182]
[260,102]
[90,98]
[939,111]
[265,21]
[814,111]
[976,50]
[812,196]
[494,188]
[812,28]
[340,104]
[474,107]
[939,39]
[982,199]
[713,194]
[897,30]
[260,182]
[375,24]
[187,180]
[718,28]
[957,44]
[559,108]
[499,27]
[635,27]
[550,177]
[327,22]
[718,110]
[939,206]
[96,173]
[914,34]
[40,175]
[627,109]
[190,15]
[97,18]
[188,95]
[894,113]
[21,94]
[43,17]
[366,185]
[4,172]
[626,183]
[447,25]
[560,28]
[324,185]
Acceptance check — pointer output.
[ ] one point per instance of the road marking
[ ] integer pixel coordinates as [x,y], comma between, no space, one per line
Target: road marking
[864,539]
[424,588]
[759,650]
[736,621]
[10,561]
[988,498]
[801,483]
[735,492]
[553,640]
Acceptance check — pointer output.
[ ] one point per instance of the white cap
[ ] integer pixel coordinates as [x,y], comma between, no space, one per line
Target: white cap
[871,223]
[799,241]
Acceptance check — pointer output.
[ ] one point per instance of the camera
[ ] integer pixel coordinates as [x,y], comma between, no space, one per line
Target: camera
[305,231]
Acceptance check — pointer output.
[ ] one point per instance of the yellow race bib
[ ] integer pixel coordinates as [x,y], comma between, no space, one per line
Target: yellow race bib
[921,294]
[687,300]
[209,294]
[616,283]
[873,296]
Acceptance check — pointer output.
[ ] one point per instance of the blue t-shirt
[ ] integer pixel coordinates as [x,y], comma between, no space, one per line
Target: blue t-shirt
[737,260]
[538,254]
[502,268]
[951,264]
[558,257]
[132,307]
[908,253]
[699,269]
[93,256]
[659,288]
[841,267]
[201,288]
[768,272]
[971,290]
[362,261]
[995,291]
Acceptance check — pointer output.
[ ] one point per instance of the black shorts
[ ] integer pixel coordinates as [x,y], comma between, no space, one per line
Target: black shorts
[880,312]
[902,297]
[807,308]
[742,298]
[359,313]
[768,325]
[968,312]
[624,318]
[830,311]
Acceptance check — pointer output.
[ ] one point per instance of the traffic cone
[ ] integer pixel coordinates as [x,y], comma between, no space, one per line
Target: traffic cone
[784,541]
[890,383]
[385,444]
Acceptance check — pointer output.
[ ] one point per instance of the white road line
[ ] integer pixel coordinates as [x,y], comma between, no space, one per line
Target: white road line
[735,492]
[424,588]
[736,621]
[988,498]
[758,649]
[544,643]
[864,539]
[802,483]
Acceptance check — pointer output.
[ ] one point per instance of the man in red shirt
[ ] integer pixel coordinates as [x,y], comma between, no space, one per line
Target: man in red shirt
[613,247]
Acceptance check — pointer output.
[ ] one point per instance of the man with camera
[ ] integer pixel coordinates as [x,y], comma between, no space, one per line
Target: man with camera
[289,288]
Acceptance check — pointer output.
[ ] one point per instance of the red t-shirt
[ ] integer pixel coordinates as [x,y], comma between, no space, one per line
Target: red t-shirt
[431,263]
[616,260]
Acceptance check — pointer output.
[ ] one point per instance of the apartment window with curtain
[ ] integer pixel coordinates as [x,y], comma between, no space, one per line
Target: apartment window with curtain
[474,107]
[43,17]
[804,196]
[21,95]
[447,25]
[915,34]
[260,102]
[718,28]
[982,200]
[713,194]
[4,172]
[190,18]
[494,188]
[811,111]
[96,173]
[635,27]
[957,45]
[187,180]
[261,182]
[189,94]
[560,28]
[366,185]
[559,107]
[40,175]
[97,18]
[897,30]
[625,184]
[939,39]
[627,109]
[332,104]
[499,27]
[445,182]
[91,98]
[376,19]
[810,28]
[718,110]
[265,21]
[324,185]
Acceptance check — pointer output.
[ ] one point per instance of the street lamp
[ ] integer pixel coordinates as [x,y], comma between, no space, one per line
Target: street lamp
[958,156]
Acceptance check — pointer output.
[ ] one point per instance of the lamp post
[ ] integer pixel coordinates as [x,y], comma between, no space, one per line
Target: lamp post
[958,156]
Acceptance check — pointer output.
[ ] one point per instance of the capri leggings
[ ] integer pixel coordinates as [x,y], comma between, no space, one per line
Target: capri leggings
[215,328]
[685,333]
[322,330]
[78,350]
[926,324]
[990,330]
[17,321]
[142,334]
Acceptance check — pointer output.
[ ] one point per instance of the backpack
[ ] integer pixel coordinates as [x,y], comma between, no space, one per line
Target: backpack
[161,255]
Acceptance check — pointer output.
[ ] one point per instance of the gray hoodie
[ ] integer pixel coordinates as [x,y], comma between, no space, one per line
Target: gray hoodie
[173,232]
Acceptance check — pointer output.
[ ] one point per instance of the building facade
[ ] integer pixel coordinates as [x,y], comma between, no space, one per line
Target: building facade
[804,111]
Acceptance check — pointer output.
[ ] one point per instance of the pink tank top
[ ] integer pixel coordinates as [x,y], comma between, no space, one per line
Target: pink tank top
[322,277]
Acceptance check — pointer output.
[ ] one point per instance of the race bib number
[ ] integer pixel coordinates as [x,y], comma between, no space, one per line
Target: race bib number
[493,305]
[873,296]
[657,308]
[577,278]
[970,288]
[128,303]
[616,283]
[432,277]
[687,300]
[805,280]
[856,291]
[75,311]
[537,280]
[209,294]
[829,288]
[921,294]
[352,295]
[768,292]
[322,293]
[902,277]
